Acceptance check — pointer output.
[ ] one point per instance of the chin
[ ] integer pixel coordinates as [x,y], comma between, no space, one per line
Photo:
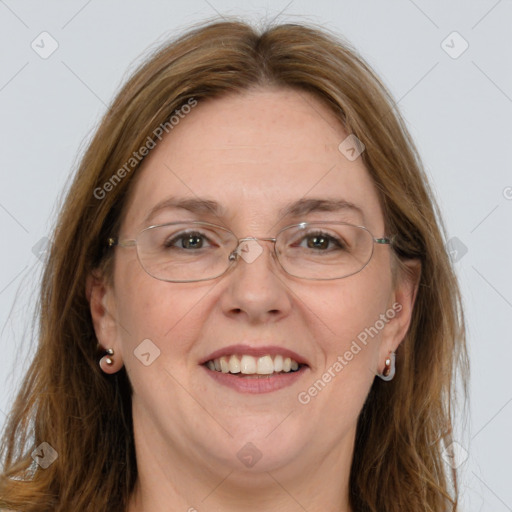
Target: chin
[256,446]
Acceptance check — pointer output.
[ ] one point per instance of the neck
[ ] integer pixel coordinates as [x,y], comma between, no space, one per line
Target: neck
[268,494]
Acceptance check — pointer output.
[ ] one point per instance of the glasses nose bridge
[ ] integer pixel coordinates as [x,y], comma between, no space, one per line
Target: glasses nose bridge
[240,241]
[268,239]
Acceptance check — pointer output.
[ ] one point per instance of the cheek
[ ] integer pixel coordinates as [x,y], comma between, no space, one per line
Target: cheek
[352,311]
[350,314]
[352,307]
[162,312]
[163,320]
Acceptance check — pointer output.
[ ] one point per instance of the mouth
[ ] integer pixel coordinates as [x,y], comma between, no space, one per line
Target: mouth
[250,369]
[250,366]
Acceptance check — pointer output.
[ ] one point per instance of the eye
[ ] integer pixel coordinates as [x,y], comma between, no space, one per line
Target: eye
[190,240]
[322,241]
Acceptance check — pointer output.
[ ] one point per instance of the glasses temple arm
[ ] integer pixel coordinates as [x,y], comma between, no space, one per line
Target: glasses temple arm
[384,240]
[112,242]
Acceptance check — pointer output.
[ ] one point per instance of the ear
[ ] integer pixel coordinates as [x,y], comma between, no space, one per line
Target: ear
[102,305]
[401,306]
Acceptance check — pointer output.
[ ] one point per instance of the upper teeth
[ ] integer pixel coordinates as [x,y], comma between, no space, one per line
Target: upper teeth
[264,365]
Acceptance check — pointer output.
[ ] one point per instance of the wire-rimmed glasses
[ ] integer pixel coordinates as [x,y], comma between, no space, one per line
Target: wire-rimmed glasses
[190,251]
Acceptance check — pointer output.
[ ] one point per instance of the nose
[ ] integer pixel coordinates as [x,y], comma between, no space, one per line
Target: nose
[256,289]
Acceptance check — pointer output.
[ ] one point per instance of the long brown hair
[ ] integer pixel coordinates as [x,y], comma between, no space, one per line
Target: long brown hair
[85,415]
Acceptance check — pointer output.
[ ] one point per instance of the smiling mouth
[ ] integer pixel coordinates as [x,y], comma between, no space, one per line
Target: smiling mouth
[249,366]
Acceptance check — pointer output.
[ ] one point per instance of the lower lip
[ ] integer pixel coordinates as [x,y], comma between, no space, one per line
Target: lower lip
[263,384]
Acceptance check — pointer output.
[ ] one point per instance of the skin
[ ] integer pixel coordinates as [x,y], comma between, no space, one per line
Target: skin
[252,153]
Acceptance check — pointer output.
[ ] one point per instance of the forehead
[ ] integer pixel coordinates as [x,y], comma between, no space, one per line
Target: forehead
[254,154]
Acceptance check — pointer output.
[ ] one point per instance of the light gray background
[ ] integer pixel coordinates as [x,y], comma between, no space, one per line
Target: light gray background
[459,111]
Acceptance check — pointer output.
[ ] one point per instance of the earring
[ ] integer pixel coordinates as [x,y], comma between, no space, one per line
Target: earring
[389,368]
[108,360]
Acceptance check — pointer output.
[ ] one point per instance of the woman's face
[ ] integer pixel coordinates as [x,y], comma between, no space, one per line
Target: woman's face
[254,155]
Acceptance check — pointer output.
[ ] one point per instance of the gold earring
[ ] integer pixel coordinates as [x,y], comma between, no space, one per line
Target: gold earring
[109,360]
[389,368]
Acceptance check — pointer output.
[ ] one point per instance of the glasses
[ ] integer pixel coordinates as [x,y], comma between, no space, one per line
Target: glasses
[184,252]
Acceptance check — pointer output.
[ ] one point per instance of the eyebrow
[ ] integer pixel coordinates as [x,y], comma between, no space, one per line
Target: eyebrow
[305,206]
[199,205]
[297,208]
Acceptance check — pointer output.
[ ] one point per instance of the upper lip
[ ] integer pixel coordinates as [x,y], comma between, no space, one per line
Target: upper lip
[255,351]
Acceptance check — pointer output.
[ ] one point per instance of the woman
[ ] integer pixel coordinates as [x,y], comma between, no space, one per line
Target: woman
[247,303]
